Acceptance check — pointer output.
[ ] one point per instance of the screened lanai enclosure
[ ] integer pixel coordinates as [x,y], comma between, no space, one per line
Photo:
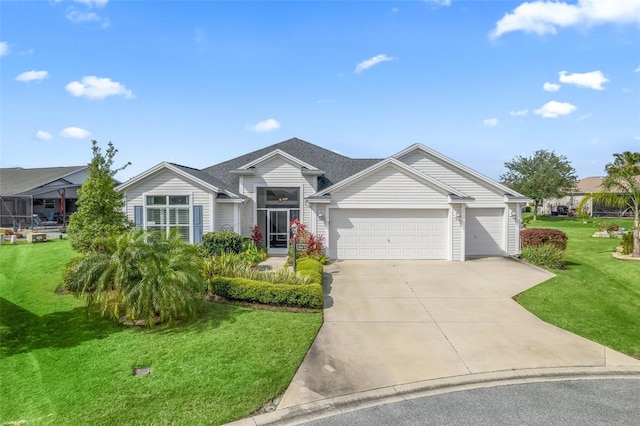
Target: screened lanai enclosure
[16,212]
[39,198]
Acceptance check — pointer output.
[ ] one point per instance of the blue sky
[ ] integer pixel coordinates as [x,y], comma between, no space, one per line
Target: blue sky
[200,82]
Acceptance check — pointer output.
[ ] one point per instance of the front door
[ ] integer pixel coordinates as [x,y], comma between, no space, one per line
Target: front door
[278,231]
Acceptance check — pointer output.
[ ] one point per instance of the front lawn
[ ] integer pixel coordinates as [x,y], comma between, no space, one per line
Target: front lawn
[597,296]
[58,366]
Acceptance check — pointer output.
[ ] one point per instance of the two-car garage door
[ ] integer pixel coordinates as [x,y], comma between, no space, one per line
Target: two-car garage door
[388,234]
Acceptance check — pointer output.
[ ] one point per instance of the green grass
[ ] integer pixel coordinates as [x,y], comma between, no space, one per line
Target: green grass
[597,296]
[59,366]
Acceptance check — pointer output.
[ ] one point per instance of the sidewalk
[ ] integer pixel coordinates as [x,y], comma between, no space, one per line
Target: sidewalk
[272,264]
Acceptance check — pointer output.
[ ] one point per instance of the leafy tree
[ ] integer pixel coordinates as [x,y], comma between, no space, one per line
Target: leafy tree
[144,276]
[545,175]
[100,207]
[621,188]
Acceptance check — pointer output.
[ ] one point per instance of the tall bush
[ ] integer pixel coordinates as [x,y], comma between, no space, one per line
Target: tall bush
[218,242]
[100,207]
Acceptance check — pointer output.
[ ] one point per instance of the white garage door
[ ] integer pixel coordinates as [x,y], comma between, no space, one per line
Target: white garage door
[484,232]
[388,234]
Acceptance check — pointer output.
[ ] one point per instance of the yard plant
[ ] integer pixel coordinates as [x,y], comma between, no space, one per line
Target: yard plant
[60,367]
[145,277]
[596,296]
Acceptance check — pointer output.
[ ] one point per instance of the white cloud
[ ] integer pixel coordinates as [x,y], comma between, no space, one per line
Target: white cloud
[264,126]
[368,63]
[555,109]
[637,69]
[4,48]
[550,87]
[42,135]
[78,17]
[33,75]
[93,87]
[593,79]
[74,133]
[584,117]
[519,113]
[545,17]
[439,2]
[93,3]
[490,122]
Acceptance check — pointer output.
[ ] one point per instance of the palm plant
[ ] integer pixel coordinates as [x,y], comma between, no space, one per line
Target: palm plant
[147,277]
[621,188]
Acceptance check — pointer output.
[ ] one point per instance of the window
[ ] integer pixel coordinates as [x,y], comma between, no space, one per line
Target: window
[48,204]
[167,212]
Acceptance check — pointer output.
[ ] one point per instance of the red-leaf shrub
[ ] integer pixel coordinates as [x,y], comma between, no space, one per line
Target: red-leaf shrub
[315,245]
[535,237]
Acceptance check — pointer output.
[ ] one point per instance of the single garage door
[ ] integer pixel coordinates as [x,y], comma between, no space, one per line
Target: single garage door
[484,232]
[388,234]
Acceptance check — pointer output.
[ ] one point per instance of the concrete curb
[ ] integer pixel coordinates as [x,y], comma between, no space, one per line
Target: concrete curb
[359,400]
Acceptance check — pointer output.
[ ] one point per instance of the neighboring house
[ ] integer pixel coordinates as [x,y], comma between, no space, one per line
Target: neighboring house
[584,187]
[416,204]
[45,192]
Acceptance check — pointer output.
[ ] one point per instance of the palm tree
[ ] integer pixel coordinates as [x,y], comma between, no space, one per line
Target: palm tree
[621,188]
[144,276]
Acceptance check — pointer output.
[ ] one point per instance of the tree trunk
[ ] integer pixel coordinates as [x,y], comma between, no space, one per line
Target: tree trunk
[535,209]
[636,233]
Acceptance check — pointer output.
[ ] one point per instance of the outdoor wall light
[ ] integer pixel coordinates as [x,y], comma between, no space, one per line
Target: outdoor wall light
[320,215]
[456,215]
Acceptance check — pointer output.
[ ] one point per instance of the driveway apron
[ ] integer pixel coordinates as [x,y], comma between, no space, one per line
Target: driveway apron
[390,323]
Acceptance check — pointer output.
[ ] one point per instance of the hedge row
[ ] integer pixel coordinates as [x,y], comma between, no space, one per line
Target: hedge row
[536,237]
[311,268]
[300,296]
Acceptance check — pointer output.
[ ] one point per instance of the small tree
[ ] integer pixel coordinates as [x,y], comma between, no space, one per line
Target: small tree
[149,277]
[545,175]
[100,207]
[621,188]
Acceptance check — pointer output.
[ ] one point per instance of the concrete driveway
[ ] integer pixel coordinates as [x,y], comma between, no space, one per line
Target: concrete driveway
[390,323]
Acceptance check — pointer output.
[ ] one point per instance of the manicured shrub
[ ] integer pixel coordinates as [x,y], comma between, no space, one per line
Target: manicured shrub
[627,243]
[536,237]
[243,289]
[311,268]
[217,242]
[546,256]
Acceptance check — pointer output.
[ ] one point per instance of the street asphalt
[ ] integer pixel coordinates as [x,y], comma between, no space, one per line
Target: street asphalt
[577,402]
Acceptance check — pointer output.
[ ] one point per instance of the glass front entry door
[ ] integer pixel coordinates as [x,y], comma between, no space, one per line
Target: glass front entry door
[278,231]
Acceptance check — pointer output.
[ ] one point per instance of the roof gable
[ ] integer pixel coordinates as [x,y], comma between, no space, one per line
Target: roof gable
[194,175]
[393,162]
[278,152]
[496,186]
[336,167]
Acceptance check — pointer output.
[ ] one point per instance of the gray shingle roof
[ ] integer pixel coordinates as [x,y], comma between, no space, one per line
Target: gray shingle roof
[206,177]
[337,167]
[16,180]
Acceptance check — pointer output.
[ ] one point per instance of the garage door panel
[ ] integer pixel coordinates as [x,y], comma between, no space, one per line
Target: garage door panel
[389,234]
[484,232]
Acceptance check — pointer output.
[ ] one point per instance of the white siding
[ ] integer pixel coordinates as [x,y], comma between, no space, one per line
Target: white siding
[455,178]
[225,216]
[389,186]
[166,182]
[456,234]
[513,229]
[274,172]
